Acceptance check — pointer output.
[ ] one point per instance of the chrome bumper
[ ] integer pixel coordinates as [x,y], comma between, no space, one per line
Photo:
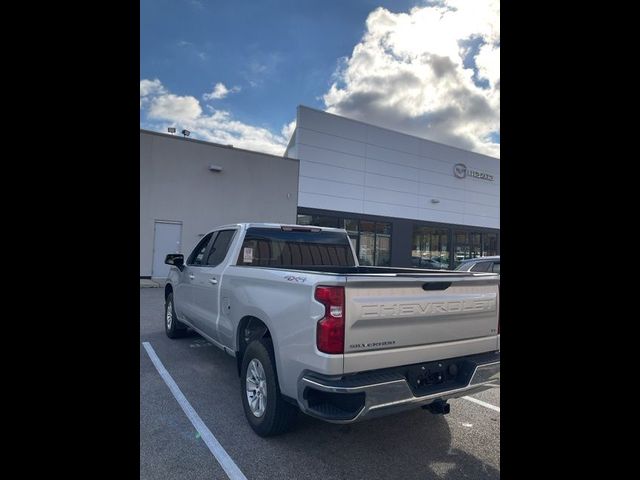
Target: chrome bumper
[395,395]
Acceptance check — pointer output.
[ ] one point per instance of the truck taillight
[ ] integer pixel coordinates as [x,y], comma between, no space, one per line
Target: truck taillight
[330,329]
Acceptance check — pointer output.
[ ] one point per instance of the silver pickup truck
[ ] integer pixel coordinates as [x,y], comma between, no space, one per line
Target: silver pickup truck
[312,330]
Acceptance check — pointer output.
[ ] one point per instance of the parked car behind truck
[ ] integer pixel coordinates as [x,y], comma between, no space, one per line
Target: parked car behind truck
[481,264]
[311,330]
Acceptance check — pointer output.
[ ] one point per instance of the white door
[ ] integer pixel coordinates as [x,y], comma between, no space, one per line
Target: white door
[166,240]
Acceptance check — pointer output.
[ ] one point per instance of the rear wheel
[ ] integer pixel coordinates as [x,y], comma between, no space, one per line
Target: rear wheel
[172,326]
[266,410]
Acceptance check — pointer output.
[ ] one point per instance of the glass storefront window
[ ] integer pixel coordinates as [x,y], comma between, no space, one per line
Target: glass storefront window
[351,226]
[371,240]
[304,219]
[489,244]
[319,221]
[433,247]
[366,254]
[462,248]
[383,244]
[324,221]
[467,245]
[430,248]
[476,244]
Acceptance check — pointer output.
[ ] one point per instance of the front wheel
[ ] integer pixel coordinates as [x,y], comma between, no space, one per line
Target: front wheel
[266,410]
[172,326]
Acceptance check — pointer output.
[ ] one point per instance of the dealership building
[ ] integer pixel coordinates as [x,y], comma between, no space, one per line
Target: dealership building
[404,201]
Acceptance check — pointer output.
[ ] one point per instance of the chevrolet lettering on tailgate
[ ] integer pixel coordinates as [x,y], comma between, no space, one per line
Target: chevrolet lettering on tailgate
[426,308]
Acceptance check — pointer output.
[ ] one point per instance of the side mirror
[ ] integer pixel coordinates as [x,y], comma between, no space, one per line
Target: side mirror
[175,259]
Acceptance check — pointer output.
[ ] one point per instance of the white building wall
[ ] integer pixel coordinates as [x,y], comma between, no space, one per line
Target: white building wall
[351,166]
[176,185]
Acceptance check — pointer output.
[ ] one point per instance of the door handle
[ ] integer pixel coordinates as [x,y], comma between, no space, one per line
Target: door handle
[213,280]
[191,277]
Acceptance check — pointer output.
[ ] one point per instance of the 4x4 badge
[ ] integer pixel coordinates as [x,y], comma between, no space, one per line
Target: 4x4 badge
[291,278]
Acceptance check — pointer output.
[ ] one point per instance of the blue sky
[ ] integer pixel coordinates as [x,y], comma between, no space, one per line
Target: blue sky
[271,56]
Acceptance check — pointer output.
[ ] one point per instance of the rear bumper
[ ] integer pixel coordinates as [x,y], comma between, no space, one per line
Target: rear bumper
[347,399]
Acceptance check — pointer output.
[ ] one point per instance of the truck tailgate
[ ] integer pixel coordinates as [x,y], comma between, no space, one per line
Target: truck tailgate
[404,312]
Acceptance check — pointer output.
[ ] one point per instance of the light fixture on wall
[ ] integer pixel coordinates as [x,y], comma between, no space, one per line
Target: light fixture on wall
[435,200]
[171,130]
[186,132]
[215,168]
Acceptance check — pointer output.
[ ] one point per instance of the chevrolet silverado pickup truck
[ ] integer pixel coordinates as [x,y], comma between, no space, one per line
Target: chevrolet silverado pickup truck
[311,330]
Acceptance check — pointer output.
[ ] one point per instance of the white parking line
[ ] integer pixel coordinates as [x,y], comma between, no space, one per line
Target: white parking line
[484,404]
[229,466]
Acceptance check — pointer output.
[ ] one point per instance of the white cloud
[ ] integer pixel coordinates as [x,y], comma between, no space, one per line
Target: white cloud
[408,73]
[148,88]
[433,72]
[220,127]
[151,87]
[165,109]
[220,91]
[174,107]
[488,63]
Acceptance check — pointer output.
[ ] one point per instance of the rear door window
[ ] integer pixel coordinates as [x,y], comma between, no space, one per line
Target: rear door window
[220,247]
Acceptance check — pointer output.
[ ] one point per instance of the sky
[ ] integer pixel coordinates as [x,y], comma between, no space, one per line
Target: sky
[233,72]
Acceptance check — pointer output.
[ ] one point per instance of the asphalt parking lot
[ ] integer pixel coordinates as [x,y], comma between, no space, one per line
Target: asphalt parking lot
[409,445]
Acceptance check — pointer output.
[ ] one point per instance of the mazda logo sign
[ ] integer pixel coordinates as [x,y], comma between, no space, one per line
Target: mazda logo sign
[460,170]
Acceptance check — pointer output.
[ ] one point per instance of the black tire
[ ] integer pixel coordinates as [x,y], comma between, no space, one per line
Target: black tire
[279,415]
[172,327]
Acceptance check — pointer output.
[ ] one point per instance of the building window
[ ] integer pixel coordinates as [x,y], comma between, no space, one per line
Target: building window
[430,248]
[467,245]
[383,244]
[373,241]
[366,253]
[474,244]
[351,226]
[319,221]
[489,244]
[304,219]
[370,239]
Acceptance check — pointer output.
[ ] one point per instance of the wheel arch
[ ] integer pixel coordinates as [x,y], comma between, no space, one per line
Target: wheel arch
[250,328]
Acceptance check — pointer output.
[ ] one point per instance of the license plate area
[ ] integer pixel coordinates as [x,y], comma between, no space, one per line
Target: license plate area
[431,377]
